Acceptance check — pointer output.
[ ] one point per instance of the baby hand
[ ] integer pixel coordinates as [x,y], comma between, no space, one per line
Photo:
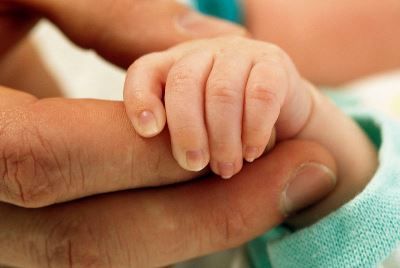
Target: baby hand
[222,99]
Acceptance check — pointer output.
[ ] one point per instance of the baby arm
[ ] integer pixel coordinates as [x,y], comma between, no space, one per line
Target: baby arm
[223,98]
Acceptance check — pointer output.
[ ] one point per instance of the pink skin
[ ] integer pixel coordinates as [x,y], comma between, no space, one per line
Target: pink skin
[222,100]
[223,97]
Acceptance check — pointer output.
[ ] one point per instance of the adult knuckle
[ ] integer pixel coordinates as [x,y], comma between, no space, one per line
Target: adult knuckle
[28,169]
[13,188]
[25,181]
[152,169]
[152,163]
[72,243]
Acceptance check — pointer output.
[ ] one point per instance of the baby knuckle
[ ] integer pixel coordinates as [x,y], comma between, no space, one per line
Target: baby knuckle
[145,60]
[135,66]
[277,52]
[264,94]
[256,132]
[142,63]
[234,39]
[222,146]
[180,77]
[222,91]
[273,56]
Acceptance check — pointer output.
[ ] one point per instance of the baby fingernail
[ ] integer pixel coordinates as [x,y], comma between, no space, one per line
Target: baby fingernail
[195,160]
[148,124]
[251,153]
[200,25]
[226,170]
[310,183]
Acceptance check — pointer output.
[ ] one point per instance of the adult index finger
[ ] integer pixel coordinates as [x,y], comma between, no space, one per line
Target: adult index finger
[53,150]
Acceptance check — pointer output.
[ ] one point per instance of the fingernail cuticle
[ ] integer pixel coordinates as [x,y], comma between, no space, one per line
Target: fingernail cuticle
[310,183]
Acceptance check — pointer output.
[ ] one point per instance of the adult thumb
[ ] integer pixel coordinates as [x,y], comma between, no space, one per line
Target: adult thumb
[161,226]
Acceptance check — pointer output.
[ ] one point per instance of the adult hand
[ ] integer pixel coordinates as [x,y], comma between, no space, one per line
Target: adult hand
[122,30]
[152,227]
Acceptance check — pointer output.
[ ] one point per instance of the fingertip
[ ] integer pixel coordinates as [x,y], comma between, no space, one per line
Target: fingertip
[251,153]
[143,92]
[196,160]
[226,170]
